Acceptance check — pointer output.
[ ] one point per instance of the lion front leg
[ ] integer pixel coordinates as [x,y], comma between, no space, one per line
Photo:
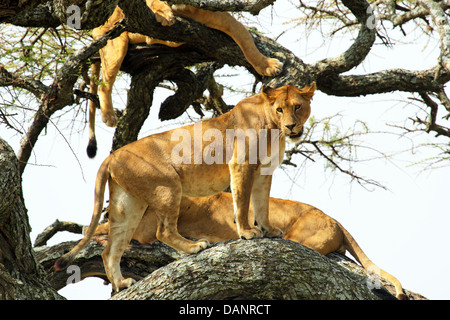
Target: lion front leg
[260,202]
[241,186]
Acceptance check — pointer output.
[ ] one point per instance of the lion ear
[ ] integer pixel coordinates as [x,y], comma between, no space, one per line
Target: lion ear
[266,89]
[307,92]
[268,92]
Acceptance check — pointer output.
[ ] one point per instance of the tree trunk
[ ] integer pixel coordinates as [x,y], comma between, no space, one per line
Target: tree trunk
[21,276]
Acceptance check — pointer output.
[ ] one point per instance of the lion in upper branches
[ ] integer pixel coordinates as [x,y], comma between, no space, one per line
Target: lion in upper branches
[113,54]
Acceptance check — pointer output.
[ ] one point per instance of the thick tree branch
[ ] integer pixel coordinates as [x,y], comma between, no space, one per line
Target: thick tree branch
[443,28]
[34,16]
[253,269]
[325,72]
[255,258]
[40,13]
[12,8]
[21,276]
[329,70]
[54,228]
[37,13]
[28,83]
[417,12]
[359,49]
[137,261]
[150,65]
[384,81]
[252,6]
[223,49]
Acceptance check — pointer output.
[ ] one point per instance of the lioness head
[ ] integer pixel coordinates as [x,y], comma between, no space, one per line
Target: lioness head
[290,108]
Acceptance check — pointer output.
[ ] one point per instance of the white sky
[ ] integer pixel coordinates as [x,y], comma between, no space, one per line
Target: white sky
[402,230]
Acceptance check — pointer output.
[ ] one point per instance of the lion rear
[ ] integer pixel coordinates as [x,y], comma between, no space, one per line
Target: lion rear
[100,183]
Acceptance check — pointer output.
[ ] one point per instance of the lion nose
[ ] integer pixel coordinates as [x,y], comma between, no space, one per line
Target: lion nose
[290,126]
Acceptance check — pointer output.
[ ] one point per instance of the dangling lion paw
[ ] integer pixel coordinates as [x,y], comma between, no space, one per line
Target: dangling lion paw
[271,67]
[164,15]
[110,118]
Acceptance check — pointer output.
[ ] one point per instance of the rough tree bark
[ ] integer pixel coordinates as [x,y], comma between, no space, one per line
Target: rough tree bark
[261,269]
[36,13]
[21,276]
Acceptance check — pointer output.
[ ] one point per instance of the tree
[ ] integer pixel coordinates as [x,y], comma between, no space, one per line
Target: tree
[44,65]
[21,276]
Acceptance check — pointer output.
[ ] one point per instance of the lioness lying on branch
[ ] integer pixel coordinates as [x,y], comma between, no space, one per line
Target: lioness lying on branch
[212,218]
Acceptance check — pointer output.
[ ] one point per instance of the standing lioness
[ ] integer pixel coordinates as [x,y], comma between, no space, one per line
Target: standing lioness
[148,173]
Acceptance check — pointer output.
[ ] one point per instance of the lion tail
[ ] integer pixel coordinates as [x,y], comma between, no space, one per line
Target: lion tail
[100,183]
[93,88]
[352,246]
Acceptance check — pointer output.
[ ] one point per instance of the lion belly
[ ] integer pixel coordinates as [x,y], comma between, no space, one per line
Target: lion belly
[204,180]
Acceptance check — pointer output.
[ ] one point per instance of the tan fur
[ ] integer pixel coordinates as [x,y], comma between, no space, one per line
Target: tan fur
[144,174]
[212,217]
[114,52]
[111,57]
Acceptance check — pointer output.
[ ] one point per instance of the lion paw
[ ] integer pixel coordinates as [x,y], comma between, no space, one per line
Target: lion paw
[270,67]
[252,233]
[198,246]
[273,233]
[165,16]
[274,68]
[110,118]
[124,284]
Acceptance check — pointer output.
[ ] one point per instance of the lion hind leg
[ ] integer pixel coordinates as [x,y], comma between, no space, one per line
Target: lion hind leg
[226,23]
[167,232]
[166,205]
[125,213]
[111,56]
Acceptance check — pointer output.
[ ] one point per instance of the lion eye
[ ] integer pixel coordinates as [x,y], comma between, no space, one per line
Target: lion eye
[298,107]
[279,110]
